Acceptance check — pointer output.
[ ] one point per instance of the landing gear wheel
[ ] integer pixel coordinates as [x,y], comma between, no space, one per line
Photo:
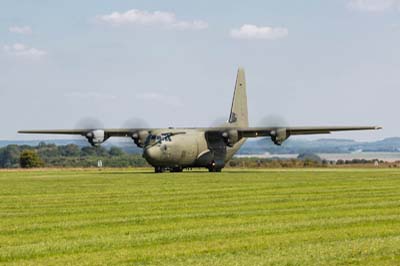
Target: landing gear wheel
[159,169]
[214,170]
[176,169]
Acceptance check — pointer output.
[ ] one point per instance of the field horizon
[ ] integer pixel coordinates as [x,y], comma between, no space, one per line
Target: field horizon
[322,216]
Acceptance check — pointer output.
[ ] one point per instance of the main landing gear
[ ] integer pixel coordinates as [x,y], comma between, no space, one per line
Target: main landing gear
[160,169]
[214,169]
[176,169]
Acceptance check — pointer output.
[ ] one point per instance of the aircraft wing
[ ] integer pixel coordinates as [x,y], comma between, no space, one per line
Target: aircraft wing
[278,134]
[253,132]
[247,132]
[98,136]
[139,135]
[113,132]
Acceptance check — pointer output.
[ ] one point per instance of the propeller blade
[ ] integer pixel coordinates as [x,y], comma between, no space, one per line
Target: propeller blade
[273,120]
[89,123]
[135,123]
[219,121]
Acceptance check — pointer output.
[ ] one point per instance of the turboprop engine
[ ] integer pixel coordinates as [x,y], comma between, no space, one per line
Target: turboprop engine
[96,137]
[231,137]
[279,135]
[140,137]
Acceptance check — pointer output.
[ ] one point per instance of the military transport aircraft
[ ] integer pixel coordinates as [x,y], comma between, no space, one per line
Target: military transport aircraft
[174,149]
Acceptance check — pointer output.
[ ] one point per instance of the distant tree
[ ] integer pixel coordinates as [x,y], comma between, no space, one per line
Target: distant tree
[233,163]
[88,151]
[94,151]
[30,159]
[309,157]
[47,150]
[9,156]
[42,144]
[70,150]
[115,151]
[100,151]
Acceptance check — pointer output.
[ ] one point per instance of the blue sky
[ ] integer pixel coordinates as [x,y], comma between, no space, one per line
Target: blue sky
[174,63]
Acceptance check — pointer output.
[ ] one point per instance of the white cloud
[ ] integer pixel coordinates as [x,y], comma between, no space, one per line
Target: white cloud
[20,30]
[90,95]
[248,31]
[22,50]
[373,5]
[160,98]
[158,18]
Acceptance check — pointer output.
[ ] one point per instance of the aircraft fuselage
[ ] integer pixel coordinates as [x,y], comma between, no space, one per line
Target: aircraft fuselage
[188,148]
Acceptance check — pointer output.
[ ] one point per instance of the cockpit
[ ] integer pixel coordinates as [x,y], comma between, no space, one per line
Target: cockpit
[157,139]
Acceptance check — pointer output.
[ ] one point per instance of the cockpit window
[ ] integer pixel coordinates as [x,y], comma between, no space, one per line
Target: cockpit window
[153,139]
[165,137]
[150,140]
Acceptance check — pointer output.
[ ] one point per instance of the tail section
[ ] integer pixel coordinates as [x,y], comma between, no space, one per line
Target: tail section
[239,113]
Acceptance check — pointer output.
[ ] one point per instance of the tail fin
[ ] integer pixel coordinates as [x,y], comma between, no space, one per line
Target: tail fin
[239,114]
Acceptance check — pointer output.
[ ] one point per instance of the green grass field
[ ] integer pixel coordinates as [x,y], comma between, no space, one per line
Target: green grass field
[248,217]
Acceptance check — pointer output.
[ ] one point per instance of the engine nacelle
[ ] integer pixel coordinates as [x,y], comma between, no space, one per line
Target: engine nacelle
[231,137]
[279,135]
[140,137]
[96,137]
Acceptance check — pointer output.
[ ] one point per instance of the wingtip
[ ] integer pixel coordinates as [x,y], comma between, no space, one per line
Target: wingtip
[23,132]
[378,127]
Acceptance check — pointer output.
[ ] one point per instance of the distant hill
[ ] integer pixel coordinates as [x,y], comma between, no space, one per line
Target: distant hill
[259,146]
[296,146]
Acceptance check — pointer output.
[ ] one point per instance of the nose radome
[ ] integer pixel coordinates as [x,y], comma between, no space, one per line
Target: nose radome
[152,153]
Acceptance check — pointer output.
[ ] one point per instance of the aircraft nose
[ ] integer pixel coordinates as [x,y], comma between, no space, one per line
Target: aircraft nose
[152,154]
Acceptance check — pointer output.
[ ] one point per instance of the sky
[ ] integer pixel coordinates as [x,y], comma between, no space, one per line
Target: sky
[173,63]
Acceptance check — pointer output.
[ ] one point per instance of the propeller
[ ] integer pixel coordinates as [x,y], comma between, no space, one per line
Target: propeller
[278,135]
[89,123]
[135,122]
[273,120]
[219,121]
[139,136]
[95,134]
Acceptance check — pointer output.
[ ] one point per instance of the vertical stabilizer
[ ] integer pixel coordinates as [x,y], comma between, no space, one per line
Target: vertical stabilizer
[239,114]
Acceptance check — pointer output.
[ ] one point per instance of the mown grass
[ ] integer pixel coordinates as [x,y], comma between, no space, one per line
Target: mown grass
[238,217]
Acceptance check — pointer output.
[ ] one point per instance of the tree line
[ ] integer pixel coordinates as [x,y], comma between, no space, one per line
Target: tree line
[71,155]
